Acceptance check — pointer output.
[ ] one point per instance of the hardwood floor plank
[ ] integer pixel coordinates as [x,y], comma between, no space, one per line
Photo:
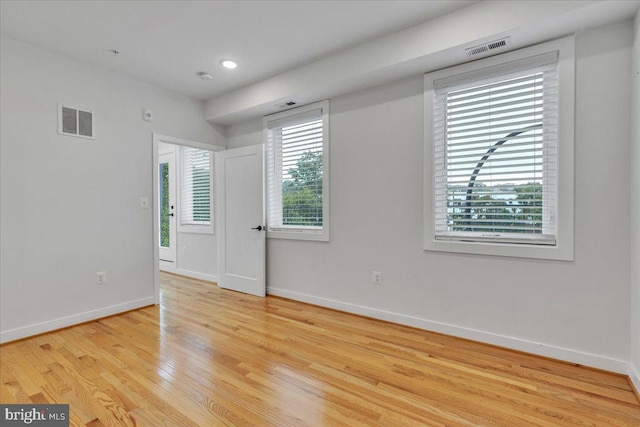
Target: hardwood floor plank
[24,377]
[153,406]
[11,391]
[211,357]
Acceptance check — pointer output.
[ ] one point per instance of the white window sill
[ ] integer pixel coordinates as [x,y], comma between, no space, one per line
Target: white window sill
[299,235]
[559,252]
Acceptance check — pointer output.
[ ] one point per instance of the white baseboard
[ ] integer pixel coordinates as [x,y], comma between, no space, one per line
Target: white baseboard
[568,355]
[196,275]
[634,376]
[63,322]
[170,267]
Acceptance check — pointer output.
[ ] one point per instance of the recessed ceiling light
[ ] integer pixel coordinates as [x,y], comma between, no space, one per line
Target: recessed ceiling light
[227,63]
[205,76]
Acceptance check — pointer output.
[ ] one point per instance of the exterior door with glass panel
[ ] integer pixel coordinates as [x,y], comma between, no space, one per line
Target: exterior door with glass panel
[167,206]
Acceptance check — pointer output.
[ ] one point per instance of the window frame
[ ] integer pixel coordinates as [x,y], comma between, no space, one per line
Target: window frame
[299,232]
[563,249]
[195,228]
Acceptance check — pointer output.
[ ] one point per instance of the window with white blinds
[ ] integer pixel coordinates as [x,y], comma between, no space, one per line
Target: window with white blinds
[195,189]
[297,172]
[499,154]
[495,153]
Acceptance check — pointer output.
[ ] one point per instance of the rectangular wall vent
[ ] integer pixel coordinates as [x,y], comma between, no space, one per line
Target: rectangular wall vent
[487,47]
[75,122]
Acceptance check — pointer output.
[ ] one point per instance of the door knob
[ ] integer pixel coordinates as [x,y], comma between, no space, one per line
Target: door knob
[171,214]
[259,228]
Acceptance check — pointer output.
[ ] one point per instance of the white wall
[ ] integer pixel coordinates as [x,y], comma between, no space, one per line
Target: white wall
[635,208]
[70,206]
[576,311]
[197,256]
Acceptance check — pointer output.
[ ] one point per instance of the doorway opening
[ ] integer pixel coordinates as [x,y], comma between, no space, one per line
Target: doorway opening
[183,219]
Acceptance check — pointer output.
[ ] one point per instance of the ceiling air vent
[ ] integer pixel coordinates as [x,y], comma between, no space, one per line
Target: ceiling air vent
[286,104]
[487,47]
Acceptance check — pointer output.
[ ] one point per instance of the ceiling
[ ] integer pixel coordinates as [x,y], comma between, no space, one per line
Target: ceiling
[167,43]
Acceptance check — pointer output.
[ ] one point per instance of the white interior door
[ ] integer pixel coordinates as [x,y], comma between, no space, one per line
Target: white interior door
[166,206]
[241,234]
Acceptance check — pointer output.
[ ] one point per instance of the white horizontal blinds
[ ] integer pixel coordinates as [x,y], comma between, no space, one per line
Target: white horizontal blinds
[195,186]
[496,156]
[294,161]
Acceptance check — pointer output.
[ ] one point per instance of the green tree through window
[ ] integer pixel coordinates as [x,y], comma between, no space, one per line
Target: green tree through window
[302,194]
[164,205]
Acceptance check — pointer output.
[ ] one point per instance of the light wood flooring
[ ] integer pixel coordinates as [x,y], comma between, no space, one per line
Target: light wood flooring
[209,357]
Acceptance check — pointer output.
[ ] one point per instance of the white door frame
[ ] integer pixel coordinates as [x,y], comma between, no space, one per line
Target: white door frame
[157,139]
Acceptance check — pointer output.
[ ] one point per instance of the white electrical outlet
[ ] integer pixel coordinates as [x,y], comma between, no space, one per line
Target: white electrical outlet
[101,277]
[377,278]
